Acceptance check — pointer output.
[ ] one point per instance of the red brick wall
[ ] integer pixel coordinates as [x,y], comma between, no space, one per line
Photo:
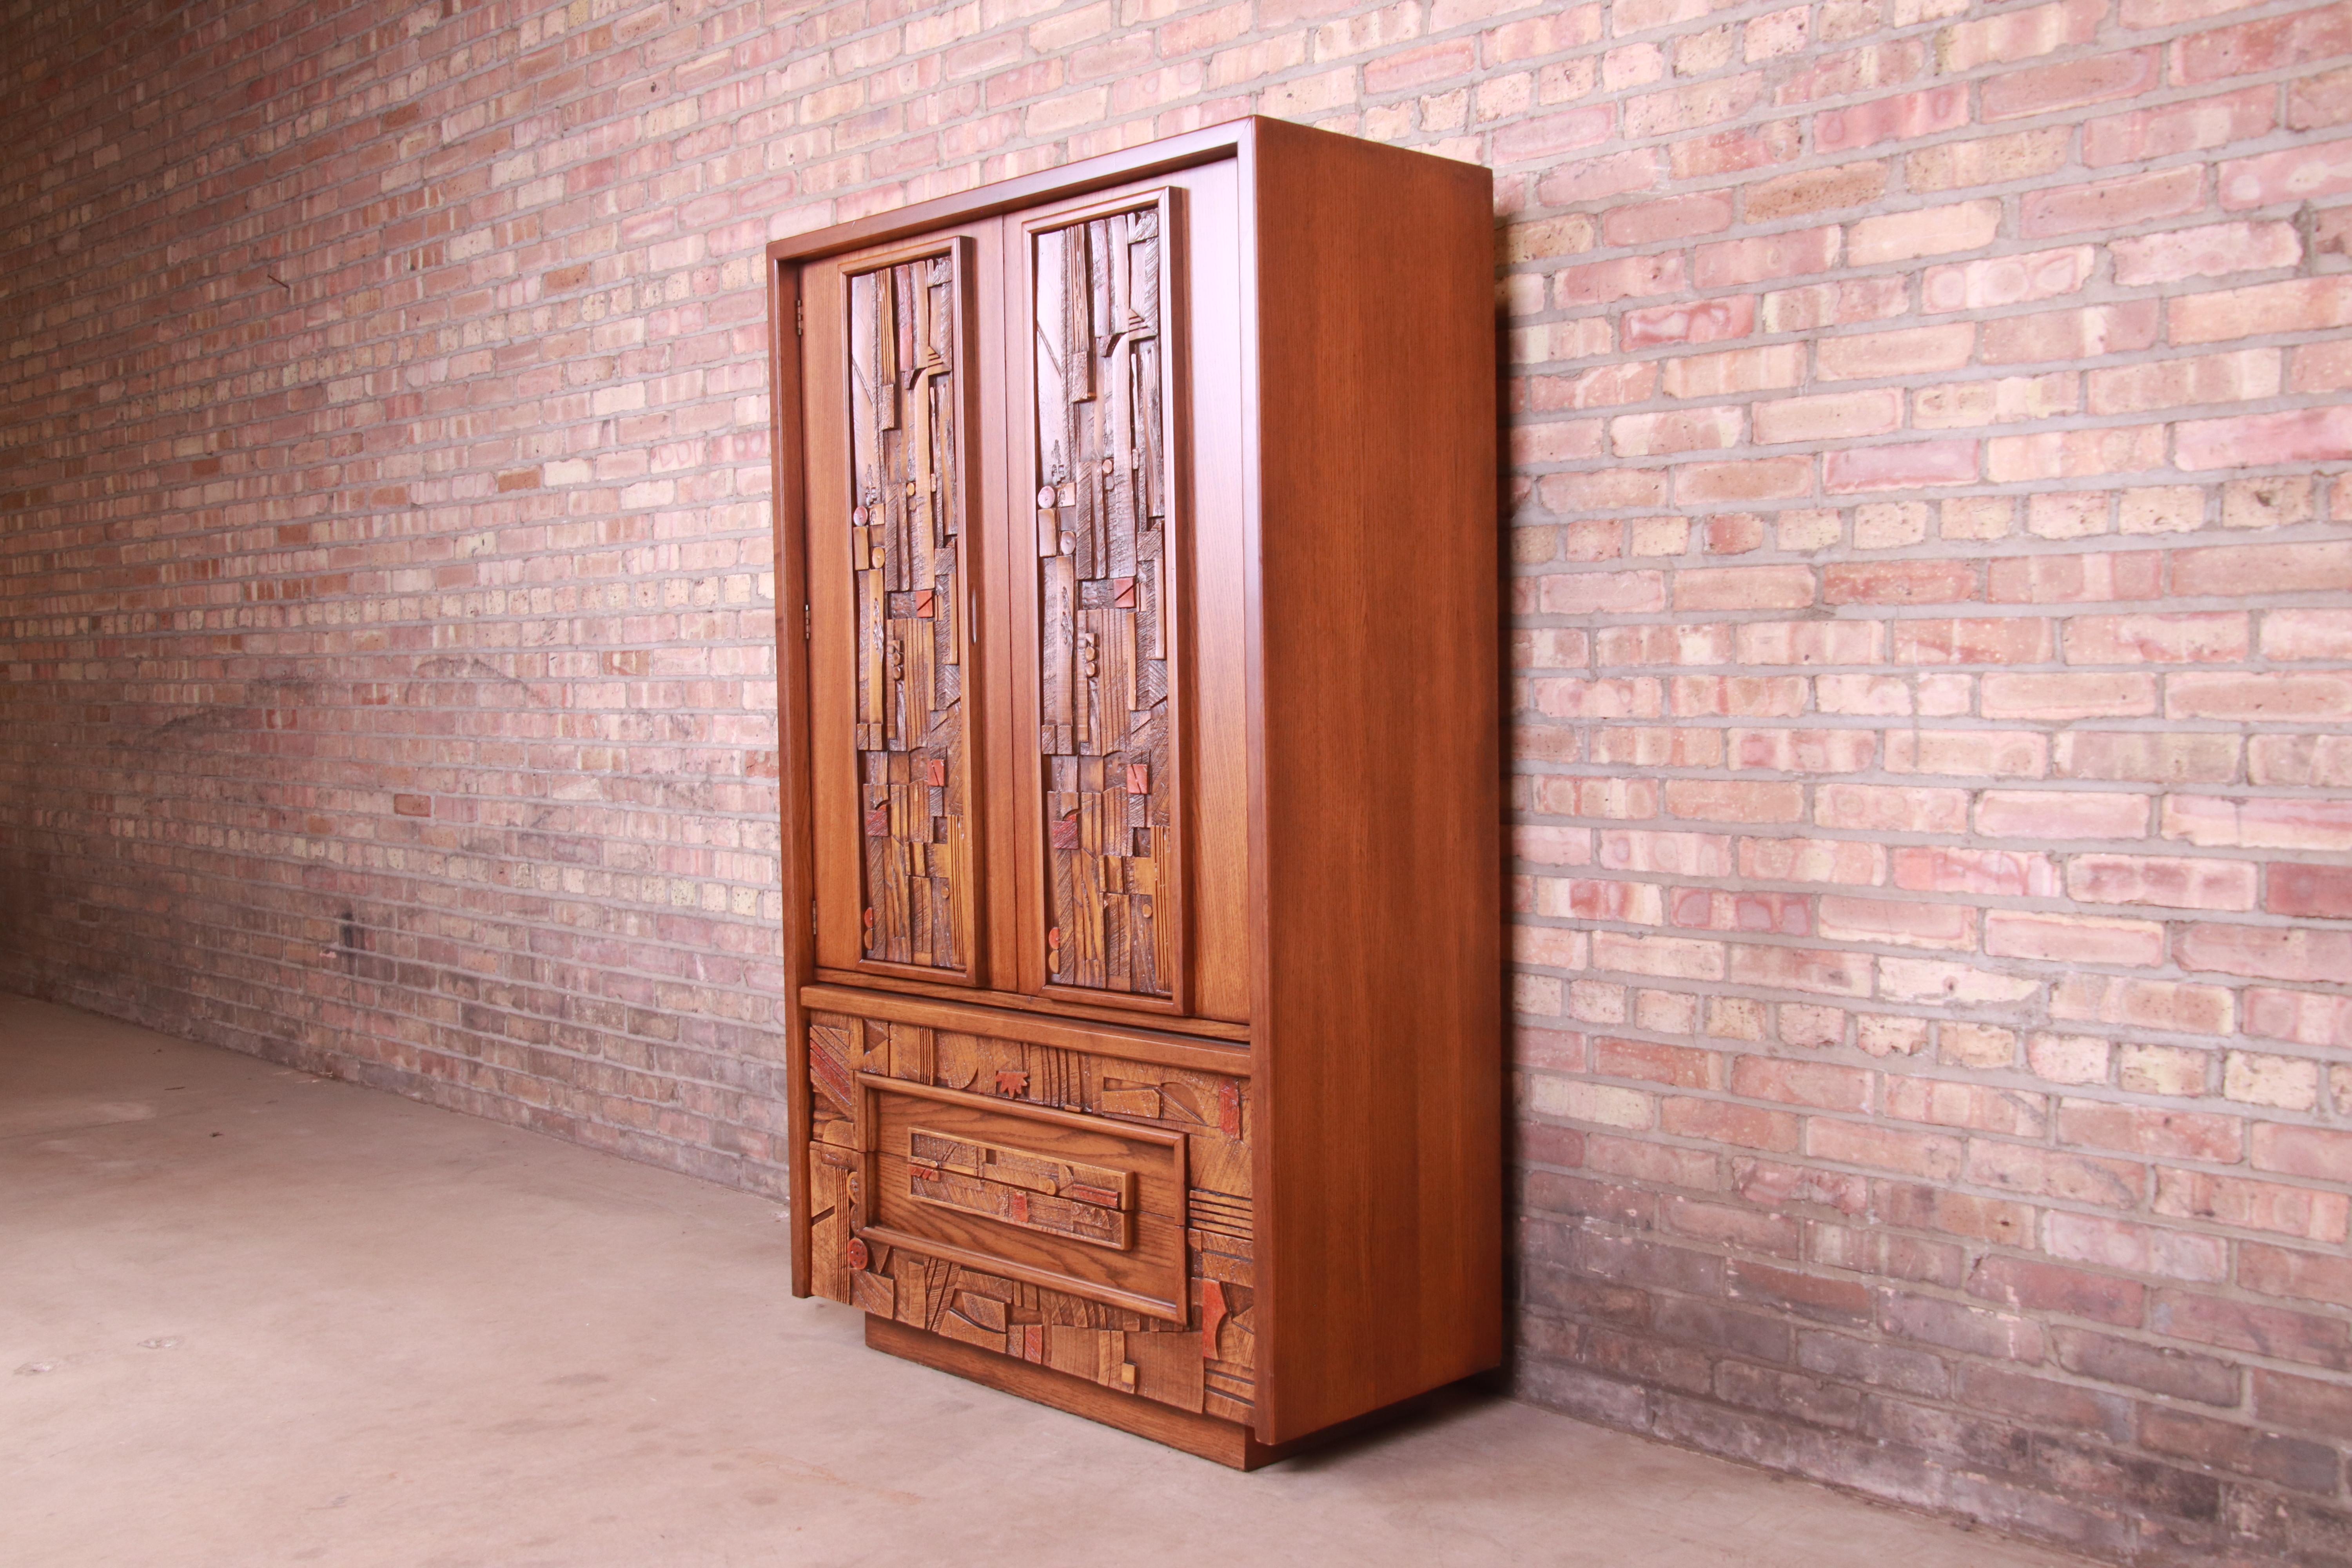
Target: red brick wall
[1930,658]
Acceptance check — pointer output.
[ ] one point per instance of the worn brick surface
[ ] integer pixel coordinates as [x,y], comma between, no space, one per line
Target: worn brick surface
[1929,672]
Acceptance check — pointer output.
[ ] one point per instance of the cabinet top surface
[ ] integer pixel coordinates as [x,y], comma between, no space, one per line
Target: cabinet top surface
[1240,138]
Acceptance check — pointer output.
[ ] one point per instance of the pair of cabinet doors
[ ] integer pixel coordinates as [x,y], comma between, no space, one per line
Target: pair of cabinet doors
[1028,699]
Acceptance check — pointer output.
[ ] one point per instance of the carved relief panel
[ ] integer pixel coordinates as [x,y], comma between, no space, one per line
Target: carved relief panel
[1103,394]
[910,555]
[1081,1211]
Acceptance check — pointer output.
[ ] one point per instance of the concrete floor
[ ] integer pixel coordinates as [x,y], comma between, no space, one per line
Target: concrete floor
[248,1316]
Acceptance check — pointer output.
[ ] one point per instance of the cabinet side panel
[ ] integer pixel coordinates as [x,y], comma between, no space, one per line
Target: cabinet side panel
[1379,994]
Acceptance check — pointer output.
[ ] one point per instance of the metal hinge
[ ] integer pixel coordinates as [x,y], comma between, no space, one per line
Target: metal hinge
[807,626]
[811,914]
[800,316]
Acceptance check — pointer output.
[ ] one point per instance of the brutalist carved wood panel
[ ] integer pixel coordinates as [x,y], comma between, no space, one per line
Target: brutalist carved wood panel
[1107,597]
[1138,1144]
[909,537]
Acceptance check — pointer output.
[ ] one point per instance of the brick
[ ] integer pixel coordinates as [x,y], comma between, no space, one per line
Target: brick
[2027,1285]
[2310,435]
[1988,161]
[2258,1078]
[1931,1156]
[1904,466]
[2246,1326]
[2096,79]
[1812,191]
[2304,1018]
[2211,822]
[1679,430]
[1931,925]
[2274,698]
[1669,217]
[2074,454]
[2304,1404]
[1958,984]
[2269,501]
[1968,1106]
[2168,881]
[2299,174]
[2112,204]
[1932,231]
[2317,100]
[2048,814]
[2007,279]
[1724,1122]
[2054,938]
[2299,305]
[2143,1003]
[2008,36]
[2322,891]
[2086,334]
[2300,1212]
[2160,638]
[2320,1153]
[1929,1319]
[2317,1276]
[2157,1369]
[1771,478]
[2234,571]
[2155,1133]
[1775,256]
[2145,756]
[1937,869]
[2227,1446]
[2209,250]
[2054,698]
[2141,134]
[2110,1242]
[2266,953]
[1968,753]
[2238,377]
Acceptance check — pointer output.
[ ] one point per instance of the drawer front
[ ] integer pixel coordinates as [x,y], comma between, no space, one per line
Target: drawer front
[1073,1202]
[1037,1188]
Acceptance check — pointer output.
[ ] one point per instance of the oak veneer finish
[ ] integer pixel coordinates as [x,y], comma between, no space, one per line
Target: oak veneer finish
[1306,790]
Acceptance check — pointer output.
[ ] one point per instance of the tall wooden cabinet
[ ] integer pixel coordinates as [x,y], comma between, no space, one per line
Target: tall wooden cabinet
[1137,562]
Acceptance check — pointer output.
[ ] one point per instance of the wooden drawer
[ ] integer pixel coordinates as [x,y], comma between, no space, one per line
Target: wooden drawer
[1073,1195]
[1074,1202]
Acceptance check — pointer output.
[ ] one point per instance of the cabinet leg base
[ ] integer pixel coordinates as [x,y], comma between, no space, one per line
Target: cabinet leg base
[1207,1436]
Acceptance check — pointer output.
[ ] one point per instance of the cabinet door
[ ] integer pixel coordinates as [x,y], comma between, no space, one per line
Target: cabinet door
[1096,422]
[890,361]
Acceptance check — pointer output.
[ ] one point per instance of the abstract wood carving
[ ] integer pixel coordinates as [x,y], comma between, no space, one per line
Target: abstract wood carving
[1012,1272]
[907,532]
[1107,716]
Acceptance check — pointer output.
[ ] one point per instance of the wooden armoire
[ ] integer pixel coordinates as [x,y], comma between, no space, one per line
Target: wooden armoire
[1137,557]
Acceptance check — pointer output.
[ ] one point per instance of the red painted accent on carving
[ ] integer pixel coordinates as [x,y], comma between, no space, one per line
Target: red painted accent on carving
[1229,1109]
[856,1253]
[1138,778]
[935,772]
[1065,833]
[1122,594]
[1212,1315]
[877,822]
[1016,1209]
[923,603]
[1012,1084]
